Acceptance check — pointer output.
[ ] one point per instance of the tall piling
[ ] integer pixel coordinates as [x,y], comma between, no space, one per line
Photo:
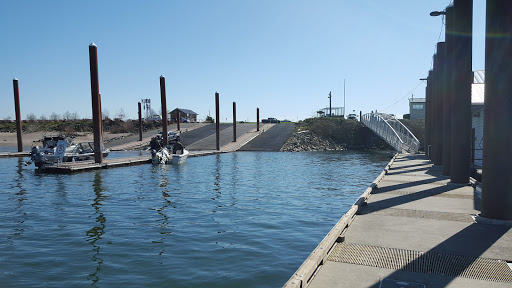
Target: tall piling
[234,121]
[427,117]
[96,103]
[439,88]
[462,78]
[217,122]
[497,156]
[140,122]
[178,119]
[258,119]
[163,100]
[18,113]
[447,110]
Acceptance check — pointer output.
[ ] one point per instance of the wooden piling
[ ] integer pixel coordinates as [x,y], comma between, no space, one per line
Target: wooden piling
[234,121]
[164,109]
[217,122]
[140,122]
[18,114]
[96,103]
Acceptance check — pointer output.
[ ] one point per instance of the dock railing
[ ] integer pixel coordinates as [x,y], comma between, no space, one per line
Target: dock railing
[392,131]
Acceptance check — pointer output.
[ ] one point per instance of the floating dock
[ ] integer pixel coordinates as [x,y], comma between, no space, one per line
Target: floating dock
[411,228]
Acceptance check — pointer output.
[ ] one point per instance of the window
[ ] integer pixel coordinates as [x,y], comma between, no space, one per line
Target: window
[417,106]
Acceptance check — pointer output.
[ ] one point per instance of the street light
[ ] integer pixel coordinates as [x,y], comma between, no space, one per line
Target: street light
[437,13]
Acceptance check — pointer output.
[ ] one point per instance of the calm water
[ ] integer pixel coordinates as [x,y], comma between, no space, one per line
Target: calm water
[233,220]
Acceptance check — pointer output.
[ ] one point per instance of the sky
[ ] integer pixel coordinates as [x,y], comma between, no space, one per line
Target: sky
[283,56]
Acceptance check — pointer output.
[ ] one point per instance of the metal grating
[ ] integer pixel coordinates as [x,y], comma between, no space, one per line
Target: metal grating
[422,262]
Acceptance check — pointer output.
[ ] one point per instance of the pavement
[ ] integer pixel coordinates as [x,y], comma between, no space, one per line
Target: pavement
[416,229]
[273,140]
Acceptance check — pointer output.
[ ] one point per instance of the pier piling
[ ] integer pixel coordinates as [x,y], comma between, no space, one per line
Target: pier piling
[234,121]
[140,122]
[96,103]
[18,114]
[447,110]
[497,156]
[164,109]
[258,119]
[217,122]
[461,97]
[178,118]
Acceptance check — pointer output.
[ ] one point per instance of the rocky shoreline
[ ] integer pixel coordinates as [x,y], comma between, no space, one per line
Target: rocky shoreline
[307,141]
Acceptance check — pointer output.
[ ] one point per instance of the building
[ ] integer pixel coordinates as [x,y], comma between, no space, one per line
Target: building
[417,108]
[185,114]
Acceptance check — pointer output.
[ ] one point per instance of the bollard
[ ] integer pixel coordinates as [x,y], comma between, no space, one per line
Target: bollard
[497,171]
[140,122]
[18,114]
[217,123]
[462,78]
[163,100]
[234,121]
[447,109]
[96,103]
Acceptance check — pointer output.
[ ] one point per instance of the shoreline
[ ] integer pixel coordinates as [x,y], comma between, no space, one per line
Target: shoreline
[8,139]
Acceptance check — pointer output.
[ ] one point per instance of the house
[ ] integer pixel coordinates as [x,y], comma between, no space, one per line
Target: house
[186,115]
[417,108]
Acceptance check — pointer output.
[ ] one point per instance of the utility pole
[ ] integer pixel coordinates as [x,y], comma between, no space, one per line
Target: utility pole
[330,108]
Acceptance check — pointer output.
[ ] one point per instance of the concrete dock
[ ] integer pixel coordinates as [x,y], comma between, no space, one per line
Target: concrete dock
[411,228]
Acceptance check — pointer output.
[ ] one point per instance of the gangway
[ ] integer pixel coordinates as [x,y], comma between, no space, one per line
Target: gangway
[392,131]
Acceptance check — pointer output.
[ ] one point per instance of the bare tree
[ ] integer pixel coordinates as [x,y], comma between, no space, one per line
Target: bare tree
[75,116]
[105,114]
[31,117]
[43,117]
[67,115]
[54,116]
[121,115]
[8,118]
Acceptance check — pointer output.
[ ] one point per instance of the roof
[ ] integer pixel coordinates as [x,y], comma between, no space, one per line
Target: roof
[416,100]
[186,111]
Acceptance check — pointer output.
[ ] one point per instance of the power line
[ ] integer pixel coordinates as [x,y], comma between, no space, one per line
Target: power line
[402,97]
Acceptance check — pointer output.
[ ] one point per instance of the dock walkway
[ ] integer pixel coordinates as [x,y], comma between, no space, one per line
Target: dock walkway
[411,228]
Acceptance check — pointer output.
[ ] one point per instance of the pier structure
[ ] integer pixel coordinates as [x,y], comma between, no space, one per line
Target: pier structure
[414,228]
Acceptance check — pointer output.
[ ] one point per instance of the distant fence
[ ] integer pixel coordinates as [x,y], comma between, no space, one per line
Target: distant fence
[392,131]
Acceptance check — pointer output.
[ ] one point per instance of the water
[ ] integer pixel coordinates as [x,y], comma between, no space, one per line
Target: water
[232,220]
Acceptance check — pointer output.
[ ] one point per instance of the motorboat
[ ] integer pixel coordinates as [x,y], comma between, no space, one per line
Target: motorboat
[60,148]
[174,153]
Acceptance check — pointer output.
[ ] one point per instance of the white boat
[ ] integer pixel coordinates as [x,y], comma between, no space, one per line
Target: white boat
[164,156]
[48,153]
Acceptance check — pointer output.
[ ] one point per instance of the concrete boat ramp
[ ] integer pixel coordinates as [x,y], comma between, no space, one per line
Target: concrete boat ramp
[411,228]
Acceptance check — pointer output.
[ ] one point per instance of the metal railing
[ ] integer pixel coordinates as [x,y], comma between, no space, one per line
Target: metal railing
[392,131]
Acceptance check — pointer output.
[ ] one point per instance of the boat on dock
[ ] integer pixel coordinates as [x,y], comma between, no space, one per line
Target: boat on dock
[60,148]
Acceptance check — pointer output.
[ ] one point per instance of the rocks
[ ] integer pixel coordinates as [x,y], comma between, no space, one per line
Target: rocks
[307,141]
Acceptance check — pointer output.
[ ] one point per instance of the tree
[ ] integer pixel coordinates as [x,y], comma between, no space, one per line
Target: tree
[43,117]
[8,118]
[209,119]
[54,116]
[31,117]
[121,115]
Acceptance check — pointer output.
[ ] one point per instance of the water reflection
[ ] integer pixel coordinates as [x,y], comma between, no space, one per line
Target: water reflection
[165,186]
[96,232]
[19,197]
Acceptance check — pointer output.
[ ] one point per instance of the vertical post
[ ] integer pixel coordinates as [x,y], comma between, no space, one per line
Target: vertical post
[140,122]
[257,119]
[18,114]
[330,108]
[497,188]
[96,103]
[447,111]
[217,122]
[462,78]
[178,117]
[439,105]
[343,98]
[163,100]
[234,121]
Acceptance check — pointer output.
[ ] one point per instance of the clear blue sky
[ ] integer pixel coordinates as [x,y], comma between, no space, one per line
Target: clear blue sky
[283,56]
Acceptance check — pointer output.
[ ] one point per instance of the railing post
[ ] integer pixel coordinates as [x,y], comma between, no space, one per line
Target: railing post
[497,156]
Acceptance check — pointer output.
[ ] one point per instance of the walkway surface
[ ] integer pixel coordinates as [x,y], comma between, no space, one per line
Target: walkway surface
[414,230]
[272,140]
